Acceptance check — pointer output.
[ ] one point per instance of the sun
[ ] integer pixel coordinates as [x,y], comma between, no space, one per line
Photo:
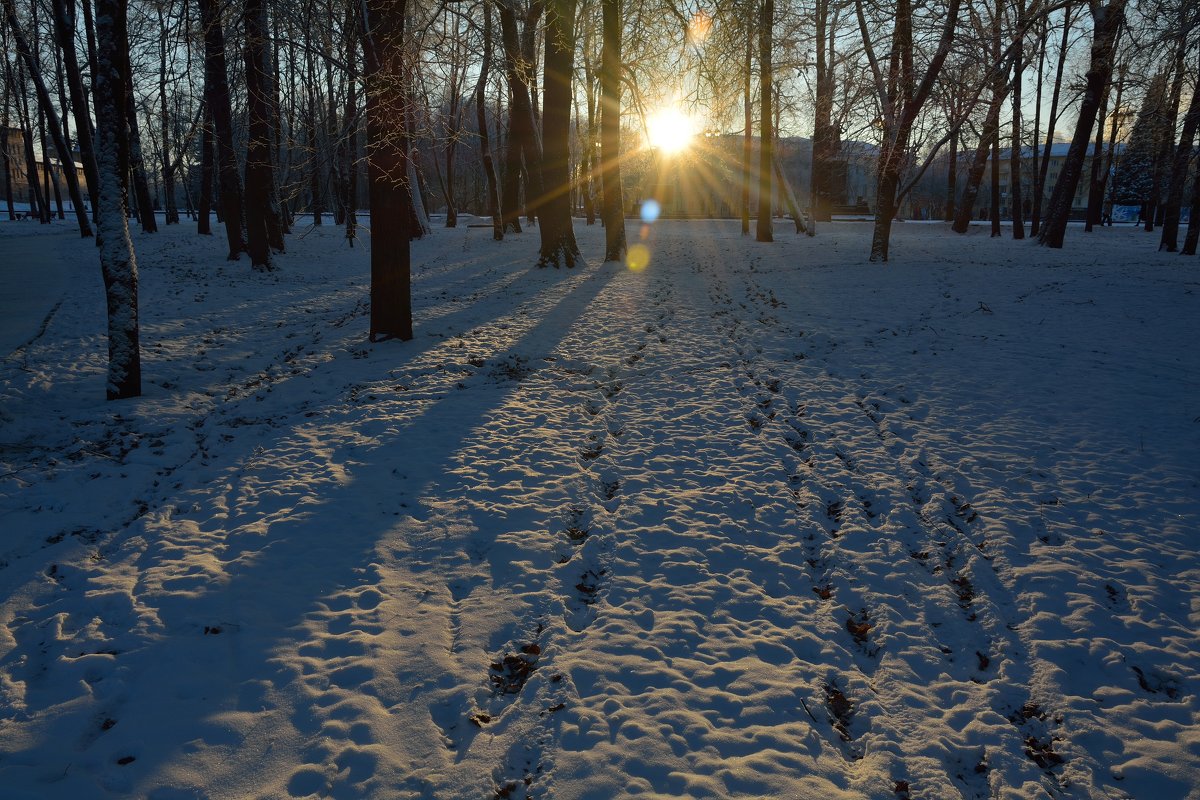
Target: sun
[670,131]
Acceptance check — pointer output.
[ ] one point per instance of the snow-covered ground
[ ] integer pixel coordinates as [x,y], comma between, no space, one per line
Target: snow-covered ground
[754,521]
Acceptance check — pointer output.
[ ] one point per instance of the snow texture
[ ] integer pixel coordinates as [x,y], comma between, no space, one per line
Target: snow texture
[753,521]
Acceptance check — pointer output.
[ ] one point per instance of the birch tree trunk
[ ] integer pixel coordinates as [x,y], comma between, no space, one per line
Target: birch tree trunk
[117,260]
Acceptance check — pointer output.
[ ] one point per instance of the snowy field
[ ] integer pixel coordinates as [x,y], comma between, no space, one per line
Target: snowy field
[755,521]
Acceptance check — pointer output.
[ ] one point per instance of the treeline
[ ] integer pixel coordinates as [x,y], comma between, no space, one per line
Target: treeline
[258,111]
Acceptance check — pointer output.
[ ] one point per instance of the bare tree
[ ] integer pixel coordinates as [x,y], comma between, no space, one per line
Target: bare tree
[47,106]
[900,99]
[1107,20]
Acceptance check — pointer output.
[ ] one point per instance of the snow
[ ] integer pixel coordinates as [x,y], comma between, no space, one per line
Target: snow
[753,521]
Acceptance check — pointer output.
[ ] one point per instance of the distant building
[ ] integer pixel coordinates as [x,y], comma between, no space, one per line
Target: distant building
[930,194]
[13,144]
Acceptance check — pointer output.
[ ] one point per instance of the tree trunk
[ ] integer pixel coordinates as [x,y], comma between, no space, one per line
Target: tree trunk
[263,227]
[612,211]
[1112,141]
[351,140]
[748,131]
[137,163]
[966,204]
[1108,20]
[64,27]
[904,101]
[522,130]
[1014,164]
[117,260]
[1096,180]
[1037,114]
[387,171]
[170,208]
[48,174]
[952,177]
[485,145]
[1169,239]
[558,235]
[995,189]
[216,91]
[589,143]
[204,205]
[824,138]
[1039,193]
[60,143]
[789,196]
[6,160]
[1163,156]
[766,144]
[1193,230]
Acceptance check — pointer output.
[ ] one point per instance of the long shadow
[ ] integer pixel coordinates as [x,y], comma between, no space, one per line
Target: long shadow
[302,560]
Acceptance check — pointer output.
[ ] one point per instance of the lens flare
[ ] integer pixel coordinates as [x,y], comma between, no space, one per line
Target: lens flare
[637,257]
[650,210]
[670,131]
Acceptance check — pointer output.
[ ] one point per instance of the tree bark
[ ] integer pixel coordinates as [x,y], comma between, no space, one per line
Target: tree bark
[952,178]
[612,211]
[485,145]
[204,204]
[263,226]
[6,160]
[824,139]
[117,260]
[748,131]
[388,172]
[1108,20]
[64,27]
[1163,156]
[766,143]
[558,235]
[1039,192]
[350,145]
[170,208]
[1193,229]
[522,129]
[137,163]
[216,91]
[1096,179]
[1169,238]
[1014,165]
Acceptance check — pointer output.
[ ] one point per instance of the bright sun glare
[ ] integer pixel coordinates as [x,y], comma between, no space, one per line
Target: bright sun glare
[670,130]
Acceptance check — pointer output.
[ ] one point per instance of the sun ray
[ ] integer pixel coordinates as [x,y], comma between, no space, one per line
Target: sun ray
[669,130]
